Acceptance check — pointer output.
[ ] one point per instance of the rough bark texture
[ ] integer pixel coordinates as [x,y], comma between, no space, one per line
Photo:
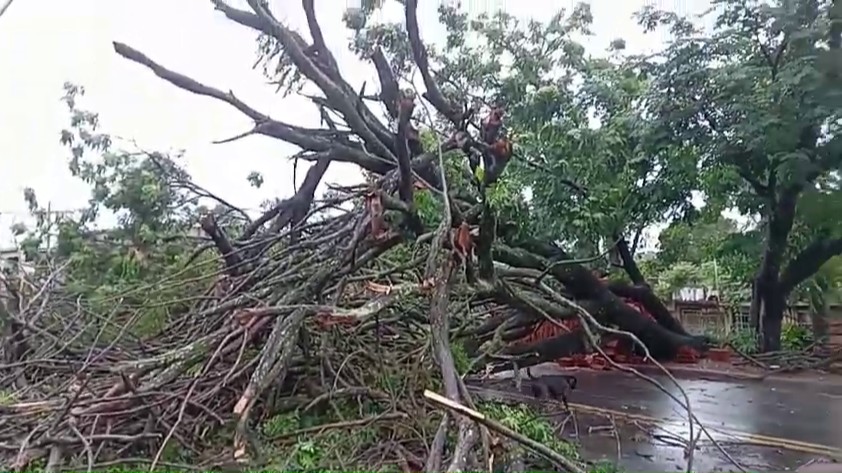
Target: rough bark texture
[767,282]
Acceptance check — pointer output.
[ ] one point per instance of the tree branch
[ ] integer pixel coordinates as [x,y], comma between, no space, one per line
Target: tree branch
[405,191]
[319,46]
[356,114]
[233,260]
[339,94]
[5,7]
[389,89]
[419,54]
[585,286]
[643,295]
[316,140]
[740,159]
[291,211]
[626,258]
[809,261]
[641,292]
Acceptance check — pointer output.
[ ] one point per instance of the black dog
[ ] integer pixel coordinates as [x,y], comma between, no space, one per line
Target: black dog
[543,390]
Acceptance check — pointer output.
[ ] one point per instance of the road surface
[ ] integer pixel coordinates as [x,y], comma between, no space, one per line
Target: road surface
[797,417]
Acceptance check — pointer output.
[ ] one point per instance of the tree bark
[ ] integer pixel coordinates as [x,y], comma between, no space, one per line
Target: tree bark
[608,308]
[644,296]
[774,305]
[755,309]
[534,353]
[642,292]
[769,289]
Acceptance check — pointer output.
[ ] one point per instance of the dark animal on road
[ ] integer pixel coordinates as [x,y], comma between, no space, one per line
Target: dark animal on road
[543,390]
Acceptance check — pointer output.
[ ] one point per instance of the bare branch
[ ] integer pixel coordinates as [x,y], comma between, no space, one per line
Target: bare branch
[306,138]
[233,260]
[337,94]
[5,7]
[319,47]
[291,211]
[405,108]
[389,89]
[419,53]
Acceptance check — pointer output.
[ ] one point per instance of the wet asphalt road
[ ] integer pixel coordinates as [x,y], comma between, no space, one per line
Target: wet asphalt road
[794,411]
[807,417]
[779,410]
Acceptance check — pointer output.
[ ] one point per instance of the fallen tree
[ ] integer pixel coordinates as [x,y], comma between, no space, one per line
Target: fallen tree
[353,300]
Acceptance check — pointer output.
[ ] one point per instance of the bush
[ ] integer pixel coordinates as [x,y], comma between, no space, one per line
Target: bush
[744,340]
[795,337]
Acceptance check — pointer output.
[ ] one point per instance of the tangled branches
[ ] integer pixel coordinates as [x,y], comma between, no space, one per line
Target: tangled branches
[259,335]
[343,310]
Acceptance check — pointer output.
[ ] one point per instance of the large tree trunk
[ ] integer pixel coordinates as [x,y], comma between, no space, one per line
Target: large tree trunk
[768,289]
[641,291]
[645,296]
[608,308]
[754,309]
[774,305]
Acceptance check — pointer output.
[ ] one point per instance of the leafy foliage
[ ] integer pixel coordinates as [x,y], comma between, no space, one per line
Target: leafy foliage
[796,337]
[146,248]
[755,99]
[528,422]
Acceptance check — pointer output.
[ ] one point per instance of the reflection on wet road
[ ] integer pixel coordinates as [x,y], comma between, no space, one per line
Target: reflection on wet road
[800,413]
[802,417]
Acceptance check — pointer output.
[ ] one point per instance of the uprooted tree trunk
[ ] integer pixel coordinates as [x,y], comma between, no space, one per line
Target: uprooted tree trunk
[641,291]
[287,274]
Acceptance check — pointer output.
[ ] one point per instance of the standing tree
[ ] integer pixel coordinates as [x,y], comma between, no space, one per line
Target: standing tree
[759,99]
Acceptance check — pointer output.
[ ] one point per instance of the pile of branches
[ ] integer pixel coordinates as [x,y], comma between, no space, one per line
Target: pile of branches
[345,315]
[295,326]
[788,361]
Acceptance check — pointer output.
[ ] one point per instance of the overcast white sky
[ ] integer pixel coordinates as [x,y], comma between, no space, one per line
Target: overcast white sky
[44,43]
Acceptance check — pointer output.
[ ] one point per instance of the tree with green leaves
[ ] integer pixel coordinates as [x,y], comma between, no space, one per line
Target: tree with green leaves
[758,99]
[707,249]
